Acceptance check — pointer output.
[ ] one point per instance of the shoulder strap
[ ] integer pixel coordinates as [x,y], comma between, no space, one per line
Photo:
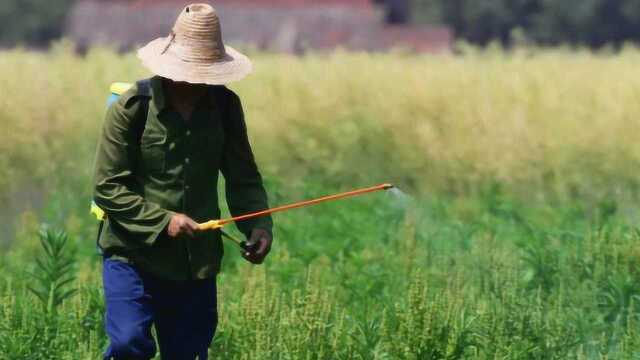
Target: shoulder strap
[144,92]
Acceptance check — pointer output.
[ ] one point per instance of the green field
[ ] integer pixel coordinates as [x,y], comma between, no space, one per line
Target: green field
[513,236]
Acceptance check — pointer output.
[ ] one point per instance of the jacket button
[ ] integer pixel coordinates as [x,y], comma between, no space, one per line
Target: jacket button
[186,160]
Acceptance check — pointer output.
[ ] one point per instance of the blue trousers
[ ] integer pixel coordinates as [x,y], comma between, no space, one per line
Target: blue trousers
[184,314]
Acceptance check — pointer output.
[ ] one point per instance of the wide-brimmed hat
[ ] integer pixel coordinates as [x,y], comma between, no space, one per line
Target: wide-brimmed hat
[194,51]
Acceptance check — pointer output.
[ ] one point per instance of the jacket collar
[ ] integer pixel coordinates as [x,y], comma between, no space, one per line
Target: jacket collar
[160,99]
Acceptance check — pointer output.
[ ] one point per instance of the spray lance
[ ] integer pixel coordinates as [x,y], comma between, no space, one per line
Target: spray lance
[219,224]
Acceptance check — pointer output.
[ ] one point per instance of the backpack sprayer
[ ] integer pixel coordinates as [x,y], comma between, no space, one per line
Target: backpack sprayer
[118,89]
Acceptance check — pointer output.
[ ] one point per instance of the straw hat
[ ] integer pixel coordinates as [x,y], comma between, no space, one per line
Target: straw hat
[194,51]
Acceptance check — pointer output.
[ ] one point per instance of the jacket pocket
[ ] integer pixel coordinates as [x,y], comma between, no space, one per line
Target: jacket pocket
[153,151]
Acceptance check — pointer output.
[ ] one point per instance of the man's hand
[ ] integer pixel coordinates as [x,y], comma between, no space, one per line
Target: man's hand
[258,246]
[181,224]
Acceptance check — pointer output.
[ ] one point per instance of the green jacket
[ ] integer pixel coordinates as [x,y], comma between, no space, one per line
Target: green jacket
[143,177]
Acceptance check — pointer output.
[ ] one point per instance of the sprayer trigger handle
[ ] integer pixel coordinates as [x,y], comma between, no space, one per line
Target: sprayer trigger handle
[210,225]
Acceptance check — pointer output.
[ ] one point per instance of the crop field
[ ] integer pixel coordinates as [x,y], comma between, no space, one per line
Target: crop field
[513,234]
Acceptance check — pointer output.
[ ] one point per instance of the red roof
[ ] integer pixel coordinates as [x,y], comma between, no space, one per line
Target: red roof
[261,3]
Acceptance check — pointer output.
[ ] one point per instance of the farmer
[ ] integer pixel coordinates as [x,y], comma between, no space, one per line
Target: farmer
[156,172]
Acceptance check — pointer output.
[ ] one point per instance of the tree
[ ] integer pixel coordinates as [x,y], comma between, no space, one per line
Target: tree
[396,11]
[589,22]
[484,21]
[32,22]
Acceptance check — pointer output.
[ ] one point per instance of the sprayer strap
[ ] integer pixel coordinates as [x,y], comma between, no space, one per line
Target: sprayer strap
[140,122]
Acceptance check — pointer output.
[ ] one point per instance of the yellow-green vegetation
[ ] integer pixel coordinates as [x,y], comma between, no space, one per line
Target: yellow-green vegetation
[546,124]
[517,239]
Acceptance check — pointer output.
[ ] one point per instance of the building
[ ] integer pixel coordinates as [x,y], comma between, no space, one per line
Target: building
[292,26]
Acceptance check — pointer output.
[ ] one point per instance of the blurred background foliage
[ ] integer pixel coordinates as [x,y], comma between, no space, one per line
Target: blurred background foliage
[592,23]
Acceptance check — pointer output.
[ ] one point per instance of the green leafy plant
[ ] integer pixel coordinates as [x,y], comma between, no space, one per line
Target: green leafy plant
[54,270]
[618,297]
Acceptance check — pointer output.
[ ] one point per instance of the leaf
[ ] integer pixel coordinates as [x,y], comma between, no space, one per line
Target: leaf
[42,295]
[64,296]
[62,283]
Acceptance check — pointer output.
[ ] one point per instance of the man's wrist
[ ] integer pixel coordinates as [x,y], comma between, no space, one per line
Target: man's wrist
[268,230]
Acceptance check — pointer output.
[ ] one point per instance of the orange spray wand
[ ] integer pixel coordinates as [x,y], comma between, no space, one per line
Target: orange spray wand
[219,224]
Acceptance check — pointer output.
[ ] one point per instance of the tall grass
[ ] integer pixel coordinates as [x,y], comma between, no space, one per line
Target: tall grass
[546,125]
[516,242]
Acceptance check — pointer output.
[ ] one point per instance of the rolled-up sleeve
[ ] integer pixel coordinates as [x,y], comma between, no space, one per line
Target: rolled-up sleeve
[244,189]
[116,188]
